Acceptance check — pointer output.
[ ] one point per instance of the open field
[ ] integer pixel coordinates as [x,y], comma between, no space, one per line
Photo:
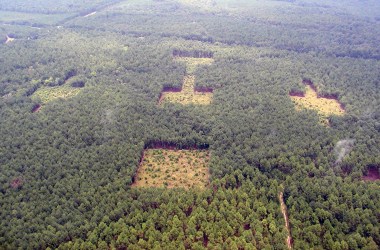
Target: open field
[47,94]
[173,169]
[187,95]
[324,106]
[198,98]
[192,63]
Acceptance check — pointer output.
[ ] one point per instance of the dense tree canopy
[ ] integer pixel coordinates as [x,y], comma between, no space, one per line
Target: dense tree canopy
[66,168]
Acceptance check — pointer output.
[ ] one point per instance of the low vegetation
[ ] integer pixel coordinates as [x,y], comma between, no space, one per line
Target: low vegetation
[67,170]
[192,63]
[187,95]
[173,169]
[324,106]
[47,94]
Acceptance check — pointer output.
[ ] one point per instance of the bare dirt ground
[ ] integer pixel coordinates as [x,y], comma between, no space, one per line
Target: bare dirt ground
[286,218]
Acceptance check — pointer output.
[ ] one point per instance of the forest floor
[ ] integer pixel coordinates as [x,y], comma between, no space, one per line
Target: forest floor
[173,169]
[324,106]
[187,95]
[47,94]
[286,218]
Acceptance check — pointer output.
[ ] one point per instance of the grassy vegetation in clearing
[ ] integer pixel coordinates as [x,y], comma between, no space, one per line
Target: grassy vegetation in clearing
[47,94]
[324,106]
[187,95]
[173,169]
[192,63]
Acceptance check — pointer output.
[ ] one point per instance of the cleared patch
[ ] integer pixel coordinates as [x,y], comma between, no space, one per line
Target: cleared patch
[373,174]
[187,95]
[325,106]
[192,63]
[173,169]
[47,94]
[284,211]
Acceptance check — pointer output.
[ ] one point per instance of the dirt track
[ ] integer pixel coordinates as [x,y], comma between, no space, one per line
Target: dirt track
[285,214]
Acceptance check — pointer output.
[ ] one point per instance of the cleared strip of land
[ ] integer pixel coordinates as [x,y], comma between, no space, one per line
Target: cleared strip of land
[286,218]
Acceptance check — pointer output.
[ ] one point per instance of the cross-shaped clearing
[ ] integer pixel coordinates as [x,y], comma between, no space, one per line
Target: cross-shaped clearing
[188,94]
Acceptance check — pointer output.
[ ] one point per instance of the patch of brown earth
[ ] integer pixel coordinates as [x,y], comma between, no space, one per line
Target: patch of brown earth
[295,93]
[36,108]
[284,211]
[373,174]
[16,182]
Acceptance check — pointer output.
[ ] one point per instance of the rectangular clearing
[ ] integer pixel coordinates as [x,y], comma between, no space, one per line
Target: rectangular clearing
[173,169]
